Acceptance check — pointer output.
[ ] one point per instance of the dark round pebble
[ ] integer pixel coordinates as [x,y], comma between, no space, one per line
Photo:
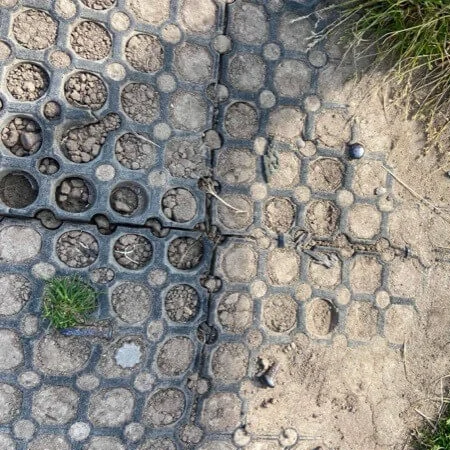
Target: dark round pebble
[355,151]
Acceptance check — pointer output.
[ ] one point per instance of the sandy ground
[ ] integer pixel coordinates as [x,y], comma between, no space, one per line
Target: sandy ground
[272,128]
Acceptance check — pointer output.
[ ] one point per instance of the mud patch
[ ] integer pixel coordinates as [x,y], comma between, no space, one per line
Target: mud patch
[158,444]
[280,313]
[175,356]
[154,12]
[135,153]
[181,303]
[179,205]
[90,40]
[333,129]
[128,199]
[283,266]
[84,89]
[145,53]
[74,195]
[325,277]
[321,317]
[326,175]
[140,102]
[188,111]
[365,274]
[132,302]
[235,312]
[221,413]
[287,174]
[229,362]
[186,158]
[322,218]
[164,408]
[16,291]
[83,144]
[77,249]
[236,166]
[239,262]
[286,123]
[279,214]
[27,82]
[361,324]
[10,403]
[111,407]
[133,251]
[246,72]
[18,189]
[99,4]
[34,29]
[241,120]
[193,63]
[185,252]
[235,220]
[102,275]
[58,355]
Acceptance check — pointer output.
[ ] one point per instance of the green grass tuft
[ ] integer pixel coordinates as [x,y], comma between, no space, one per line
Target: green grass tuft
[68,301]
[437,438]
[413,37]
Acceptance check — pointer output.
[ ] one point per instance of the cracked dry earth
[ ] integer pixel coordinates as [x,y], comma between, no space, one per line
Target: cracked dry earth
[188,157]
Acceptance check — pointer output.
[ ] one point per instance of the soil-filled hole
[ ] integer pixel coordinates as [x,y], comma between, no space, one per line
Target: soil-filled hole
[18,189]
[74,195]
[128,199]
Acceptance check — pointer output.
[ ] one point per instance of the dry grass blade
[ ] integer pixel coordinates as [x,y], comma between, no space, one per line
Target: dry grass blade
[411,38]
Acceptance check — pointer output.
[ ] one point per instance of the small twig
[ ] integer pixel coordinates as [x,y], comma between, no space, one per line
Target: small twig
[186,253]
[140,136]
[405,367]
[418,196]
[209,189]
[426,418]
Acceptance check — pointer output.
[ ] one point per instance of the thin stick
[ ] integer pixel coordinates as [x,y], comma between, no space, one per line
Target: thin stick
[418,196]
[405,367]
[211,192]
[139,136]
[426,418]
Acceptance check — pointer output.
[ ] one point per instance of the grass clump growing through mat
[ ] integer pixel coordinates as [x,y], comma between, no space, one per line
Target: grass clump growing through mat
[68,301]
[413,37]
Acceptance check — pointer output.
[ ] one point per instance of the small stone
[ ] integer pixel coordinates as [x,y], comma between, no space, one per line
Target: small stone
[355,151]
[30,141]
[79,431]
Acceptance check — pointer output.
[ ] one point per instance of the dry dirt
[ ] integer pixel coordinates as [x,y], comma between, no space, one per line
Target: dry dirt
[372,397]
